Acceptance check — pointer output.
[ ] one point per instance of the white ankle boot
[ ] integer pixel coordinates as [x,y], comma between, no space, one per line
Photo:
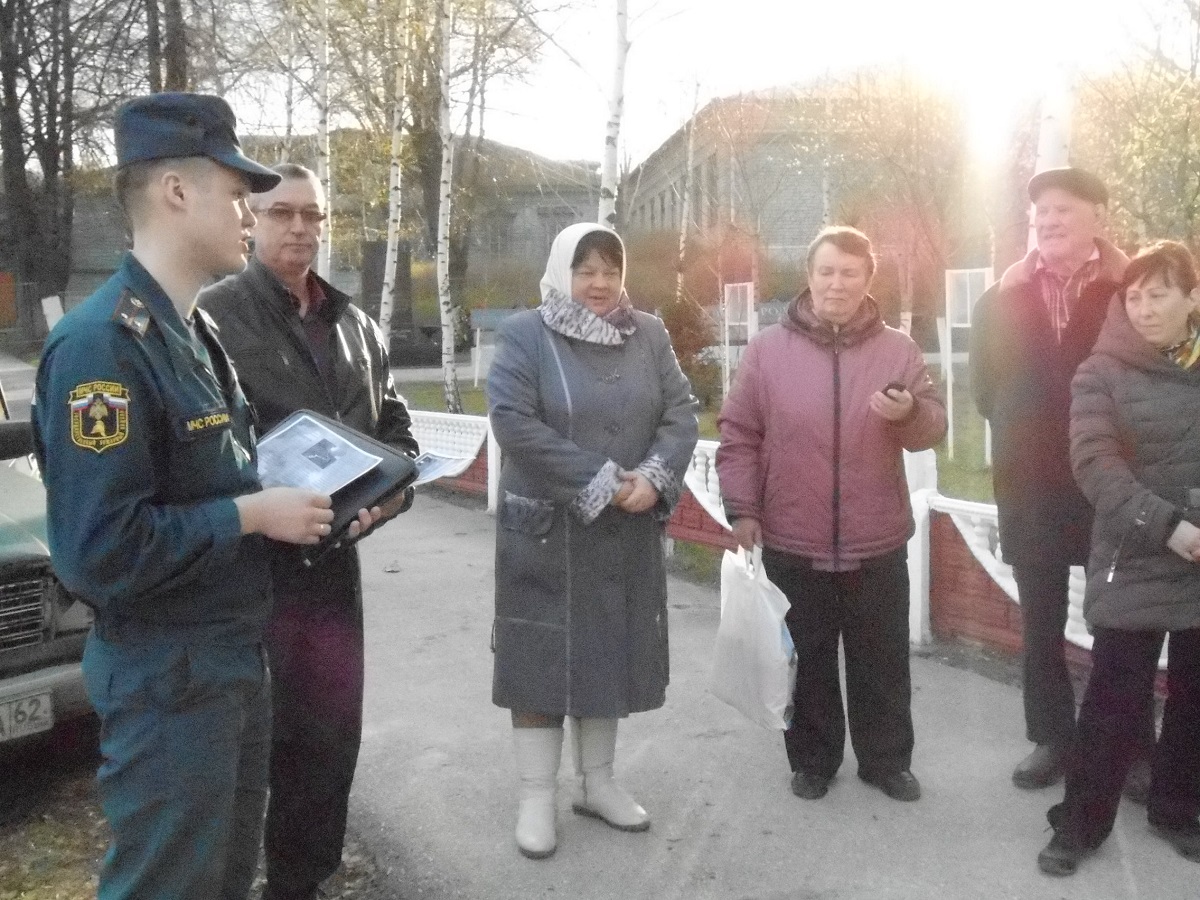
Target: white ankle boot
[594,743]
[539,751]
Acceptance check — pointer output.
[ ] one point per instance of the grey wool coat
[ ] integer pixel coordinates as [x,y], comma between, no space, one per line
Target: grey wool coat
[581,614]
[1135,448]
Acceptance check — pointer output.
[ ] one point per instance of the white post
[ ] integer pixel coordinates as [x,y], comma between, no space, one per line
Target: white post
[493,466]
[945,333]
[478,353]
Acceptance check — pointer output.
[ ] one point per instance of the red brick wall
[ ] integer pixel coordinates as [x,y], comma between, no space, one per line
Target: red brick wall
[690,522]
[964,601]
[474,480]
[966,604]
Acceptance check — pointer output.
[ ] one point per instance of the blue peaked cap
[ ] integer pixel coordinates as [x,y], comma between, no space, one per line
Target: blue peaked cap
[177,125]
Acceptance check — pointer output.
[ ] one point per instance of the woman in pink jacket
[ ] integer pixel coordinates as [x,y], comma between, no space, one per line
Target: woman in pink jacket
[811,468]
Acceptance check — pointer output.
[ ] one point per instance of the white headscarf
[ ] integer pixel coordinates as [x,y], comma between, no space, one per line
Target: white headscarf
[562,313]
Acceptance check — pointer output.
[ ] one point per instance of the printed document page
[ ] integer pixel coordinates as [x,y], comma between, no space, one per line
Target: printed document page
[307,454]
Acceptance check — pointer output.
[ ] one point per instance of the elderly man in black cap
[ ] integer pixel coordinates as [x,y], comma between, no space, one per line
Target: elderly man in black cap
[157,519]
[1029,333]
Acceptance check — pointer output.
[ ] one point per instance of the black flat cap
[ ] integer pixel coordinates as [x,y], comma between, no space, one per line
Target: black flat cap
[1079,182]
[176,125]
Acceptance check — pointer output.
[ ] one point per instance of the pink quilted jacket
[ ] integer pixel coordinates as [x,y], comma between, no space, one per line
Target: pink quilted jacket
[802,452]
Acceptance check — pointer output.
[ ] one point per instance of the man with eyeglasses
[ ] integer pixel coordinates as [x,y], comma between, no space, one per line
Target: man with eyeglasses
[299,343]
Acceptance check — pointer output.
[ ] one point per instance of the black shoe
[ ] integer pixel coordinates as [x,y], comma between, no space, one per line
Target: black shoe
[901,785]
[1062,855]
[1185,839]
[810,786]
[1041,768]
[1137,782]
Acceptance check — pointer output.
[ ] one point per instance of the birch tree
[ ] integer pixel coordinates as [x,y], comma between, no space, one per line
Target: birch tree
[395,178]
[607,214]
[689,192]
[323,254]
[445,303]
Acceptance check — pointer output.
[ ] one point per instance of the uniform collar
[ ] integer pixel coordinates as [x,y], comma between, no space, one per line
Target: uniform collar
[185,347]
[158,304]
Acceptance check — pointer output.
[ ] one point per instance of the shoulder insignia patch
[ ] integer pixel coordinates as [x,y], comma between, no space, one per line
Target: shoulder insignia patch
[132,313]
[99,415]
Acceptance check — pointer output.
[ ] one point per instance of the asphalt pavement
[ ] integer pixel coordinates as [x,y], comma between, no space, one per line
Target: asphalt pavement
[435,794]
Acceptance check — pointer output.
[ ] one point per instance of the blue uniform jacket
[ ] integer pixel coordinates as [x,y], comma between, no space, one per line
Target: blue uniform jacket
[144,439]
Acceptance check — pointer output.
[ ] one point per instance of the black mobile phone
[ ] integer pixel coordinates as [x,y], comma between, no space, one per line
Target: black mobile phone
[894,386]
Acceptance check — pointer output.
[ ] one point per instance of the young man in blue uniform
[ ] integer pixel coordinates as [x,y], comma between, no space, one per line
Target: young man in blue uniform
[299,343]
[156,517]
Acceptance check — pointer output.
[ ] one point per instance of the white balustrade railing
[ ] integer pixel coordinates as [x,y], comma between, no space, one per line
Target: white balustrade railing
[449,435]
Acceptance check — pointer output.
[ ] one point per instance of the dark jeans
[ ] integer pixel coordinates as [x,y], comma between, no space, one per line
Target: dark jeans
[315,644]
[867,610]
[1049,697]
[1120,693]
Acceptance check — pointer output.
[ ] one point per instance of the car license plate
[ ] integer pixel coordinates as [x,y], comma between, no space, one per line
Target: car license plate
[28,715]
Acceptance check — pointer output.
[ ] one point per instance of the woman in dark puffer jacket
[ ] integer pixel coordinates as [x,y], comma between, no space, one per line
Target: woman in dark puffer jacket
[1135,450]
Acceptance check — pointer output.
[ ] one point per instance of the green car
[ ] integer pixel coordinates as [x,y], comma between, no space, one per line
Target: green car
[42,630]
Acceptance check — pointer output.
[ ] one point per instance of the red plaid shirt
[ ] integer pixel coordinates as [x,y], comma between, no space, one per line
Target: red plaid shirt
[1061,294]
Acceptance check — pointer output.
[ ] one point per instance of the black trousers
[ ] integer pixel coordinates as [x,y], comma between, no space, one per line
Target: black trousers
[867,611]
[1049,697]
[315,645]
[1120,695]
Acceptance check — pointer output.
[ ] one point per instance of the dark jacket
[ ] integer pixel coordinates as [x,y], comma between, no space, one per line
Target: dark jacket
[1021,382]
[801,450]
[260,328]
[1135,447]
[143,444]
[581,606]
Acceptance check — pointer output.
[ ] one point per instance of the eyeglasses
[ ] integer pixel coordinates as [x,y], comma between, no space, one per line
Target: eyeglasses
[284,215]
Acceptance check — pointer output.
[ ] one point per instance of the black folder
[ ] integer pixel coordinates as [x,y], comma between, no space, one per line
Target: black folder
[395,472]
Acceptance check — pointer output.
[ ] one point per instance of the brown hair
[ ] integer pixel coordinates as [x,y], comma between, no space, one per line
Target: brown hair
[607,244]
[1169,260]
[848,240]
[131,181]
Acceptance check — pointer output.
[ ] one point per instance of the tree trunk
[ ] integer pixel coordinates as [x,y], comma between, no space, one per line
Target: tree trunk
[153,46]
[175,53]
[449,373]
[689,191]
[324,253]
[391,259]
[612,131]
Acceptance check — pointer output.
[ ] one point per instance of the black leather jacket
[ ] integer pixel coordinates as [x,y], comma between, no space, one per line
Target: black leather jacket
[260,329]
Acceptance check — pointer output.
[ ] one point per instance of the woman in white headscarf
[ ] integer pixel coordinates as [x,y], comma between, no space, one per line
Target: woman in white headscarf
[596,424]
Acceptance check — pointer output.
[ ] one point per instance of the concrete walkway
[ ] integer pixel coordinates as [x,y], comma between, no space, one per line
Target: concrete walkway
[435,795]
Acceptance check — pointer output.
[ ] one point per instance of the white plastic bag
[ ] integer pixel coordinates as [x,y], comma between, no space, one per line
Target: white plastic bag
[754,660]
